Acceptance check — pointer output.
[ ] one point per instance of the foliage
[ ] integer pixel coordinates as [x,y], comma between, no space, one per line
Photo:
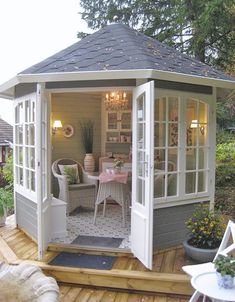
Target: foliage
[223,136]
[6,199]
[225,265]
[225,169]
[8,170]
[225,200]
[87,128]
[206,228]
[203,28]
[118,162]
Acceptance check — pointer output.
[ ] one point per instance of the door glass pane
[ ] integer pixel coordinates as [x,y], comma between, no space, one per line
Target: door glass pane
[141,136]
[141,163]
[27,111]
[190,183]
[21,176]
[202,181]
[141,108]
[32,181]
[191,158]
[160,109]
[141,191]
[159,160]
[173,134]
[172,159]
[21,156]
[19,135]
[172,185]
[19,117]
[159,135]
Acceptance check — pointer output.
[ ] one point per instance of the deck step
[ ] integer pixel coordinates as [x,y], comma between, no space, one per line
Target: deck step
[120,279]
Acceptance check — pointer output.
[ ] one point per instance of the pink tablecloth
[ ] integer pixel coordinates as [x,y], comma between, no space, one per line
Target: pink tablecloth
[119,177]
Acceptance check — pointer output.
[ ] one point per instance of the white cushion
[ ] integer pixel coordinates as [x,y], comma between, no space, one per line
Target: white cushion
[75,166]
[196,269]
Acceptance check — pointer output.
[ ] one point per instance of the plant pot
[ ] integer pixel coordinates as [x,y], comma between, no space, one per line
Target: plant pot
[225,281]
[89,163]
[198,254]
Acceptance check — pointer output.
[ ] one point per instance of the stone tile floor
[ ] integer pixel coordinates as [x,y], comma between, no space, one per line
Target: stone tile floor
[80,222]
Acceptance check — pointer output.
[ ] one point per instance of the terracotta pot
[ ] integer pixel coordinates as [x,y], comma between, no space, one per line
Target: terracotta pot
[198,254]
[89,163]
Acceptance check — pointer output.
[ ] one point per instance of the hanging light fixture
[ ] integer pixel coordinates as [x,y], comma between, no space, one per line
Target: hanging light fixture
[116,101]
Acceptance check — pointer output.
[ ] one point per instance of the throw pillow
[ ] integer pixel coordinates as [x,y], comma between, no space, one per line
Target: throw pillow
[71,171]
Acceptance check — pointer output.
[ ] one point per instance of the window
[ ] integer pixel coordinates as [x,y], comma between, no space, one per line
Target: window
[25,144]
[180,148]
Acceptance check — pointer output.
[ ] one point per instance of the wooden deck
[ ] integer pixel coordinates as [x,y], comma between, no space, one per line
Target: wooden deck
[123,282]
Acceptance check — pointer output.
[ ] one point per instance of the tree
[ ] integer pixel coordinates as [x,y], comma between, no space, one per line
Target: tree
[202,28]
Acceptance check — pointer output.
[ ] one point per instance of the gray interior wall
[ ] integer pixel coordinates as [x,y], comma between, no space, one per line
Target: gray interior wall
[71,108]
[26,215]
[169,225]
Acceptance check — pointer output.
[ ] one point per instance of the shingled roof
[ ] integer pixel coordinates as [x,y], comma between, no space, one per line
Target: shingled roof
[118,47]
[6,133]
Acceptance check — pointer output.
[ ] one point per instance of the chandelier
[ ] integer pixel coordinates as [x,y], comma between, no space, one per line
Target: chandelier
[116,101]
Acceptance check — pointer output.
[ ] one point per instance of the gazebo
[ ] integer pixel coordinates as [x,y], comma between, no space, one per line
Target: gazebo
[166,119]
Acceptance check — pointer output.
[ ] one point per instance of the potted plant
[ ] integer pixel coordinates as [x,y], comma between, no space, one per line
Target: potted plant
[206,231]
[225,271]
[6,202]
[87,129]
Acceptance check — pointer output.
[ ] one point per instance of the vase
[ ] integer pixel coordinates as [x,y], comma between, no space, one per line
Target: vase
[198,254]
[225,281]
[89,162]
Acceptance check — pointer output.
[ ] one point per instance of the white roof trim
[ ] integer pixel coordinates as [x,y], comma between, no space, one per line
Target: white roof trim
[6,88]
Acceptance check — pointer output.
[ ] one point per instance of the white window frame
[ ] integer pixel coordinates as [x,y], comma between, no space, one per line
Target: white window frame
[22,188]
[181,197]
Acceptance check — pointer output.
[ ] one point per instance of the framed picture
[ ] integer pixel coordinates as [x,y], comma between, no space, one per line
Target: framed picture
[68,130]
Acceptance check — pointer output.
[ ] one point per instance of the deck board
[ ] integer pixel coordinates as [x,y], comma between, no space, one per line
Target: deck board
[128,273]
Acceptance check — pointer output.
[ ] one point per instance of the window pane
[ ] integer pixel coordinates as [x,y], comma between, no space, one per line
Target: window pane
[32,181]
[172,159]
[159,185]
[191,111]
[20,176]
[172,185]
[173,134]
[173,109]
[159,160]
[159,135]
[202,135]
[19,135]
[202,181]
[191,154]
[203,112]
[202,158]
[112,120]
[19,118]
[190,183]
[160,109]
[126,120]
[27,110]
[21,156]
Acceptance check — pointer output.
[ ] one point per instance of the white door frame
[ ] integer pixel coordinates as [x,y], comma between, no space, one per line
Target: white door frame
[142,208]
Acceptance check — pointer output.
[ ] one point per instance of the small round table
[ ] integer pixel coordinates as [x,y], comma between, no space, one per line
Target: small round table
[206,284]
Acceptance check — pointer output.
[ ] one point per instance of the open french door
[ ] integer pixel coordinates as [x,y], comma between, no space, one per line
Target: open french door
[142,174]
[43,169]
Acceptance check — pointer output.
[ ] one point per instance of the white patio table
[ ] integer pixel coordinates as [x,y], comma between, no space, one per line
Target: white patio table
[206,284]
[114,186]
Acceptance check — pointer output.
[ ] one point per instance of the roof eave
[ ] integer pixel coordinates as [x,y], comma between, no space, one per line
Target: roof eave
[7,89]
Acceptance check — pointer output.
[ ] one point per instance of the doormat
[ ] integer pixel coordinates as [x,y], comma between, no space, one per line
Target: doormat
[84,261]
[97,241]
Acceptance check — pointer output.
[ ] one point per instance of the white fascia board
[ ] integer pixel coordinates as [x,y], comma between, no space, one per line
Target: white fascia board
[114,74]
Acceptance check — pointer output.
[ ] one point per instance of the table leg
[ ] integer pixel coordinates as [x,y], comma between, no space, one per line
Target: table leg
[104,207]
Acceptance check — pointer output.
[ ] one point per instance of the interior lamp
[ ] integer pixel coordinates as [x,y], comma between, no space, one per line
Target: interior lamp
[116,100]
[56,125]
[195,124]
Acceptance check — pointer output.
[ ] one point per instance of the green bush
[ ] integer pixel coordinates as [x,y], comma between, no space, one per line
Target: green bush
[225,175]
[225,152]
[6,199]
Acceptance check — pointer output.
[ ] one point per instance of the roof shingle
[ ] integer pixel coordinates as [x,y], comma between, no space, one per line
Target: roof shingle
[6,132]
[118,47]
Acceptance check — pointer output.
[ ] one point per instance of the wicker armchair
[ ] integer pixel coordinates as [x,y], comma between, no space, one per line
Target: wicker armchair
[75,195]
